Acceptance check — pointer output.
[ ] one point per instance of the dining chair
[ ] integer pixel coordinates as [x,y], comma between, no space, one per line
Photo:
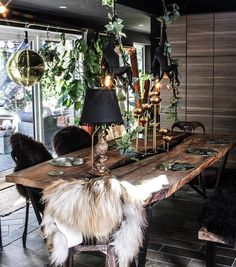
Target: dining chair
[191,127]
[70,139]
[218,219]
[26,152]
[99,214]
[188,126]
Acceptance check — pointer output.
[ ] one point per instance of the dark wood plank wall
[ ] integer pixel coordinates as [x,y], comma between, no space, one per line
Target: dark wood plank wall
[206,48]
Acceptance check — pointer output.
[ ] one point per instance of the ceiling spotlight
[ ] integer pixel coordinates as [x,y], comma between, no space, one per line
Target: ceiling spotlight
[140,25]
[63,7]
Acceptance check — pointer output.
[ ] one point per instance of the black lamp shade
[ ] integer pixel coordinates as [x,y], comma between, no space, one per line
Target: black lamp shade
[101,107]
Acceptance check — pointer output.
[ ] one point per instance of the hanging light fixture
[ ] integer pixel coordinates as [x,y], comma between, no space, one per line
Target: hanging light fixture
[25,67]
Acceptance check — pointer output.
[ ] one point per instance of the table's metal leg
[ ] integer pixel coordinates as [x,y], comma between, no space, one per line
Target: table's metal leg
[34,204]
[221,170]
[143,251]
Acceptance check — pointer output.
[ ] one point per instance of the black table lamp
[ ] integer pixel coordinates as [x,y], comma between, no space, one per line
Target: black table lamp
[100,108]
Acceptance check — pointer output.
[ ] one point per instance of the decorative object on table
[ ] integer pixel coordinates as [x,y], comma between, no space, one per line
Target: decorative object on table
[175,166]
[55,173]
[200,151]
[100,109]
[155,100]
[25,67]
[67,161]
[125,143]
[162,64]
[164,132]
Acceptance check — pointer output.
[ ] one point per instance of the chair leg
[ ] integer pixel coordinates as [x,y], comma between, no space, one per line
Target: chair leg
[24,236]
[111,259]
[211,254]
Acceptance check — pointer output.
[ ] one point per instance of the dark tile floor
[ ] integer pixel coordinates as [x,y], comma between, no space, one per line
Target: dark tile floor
[173,238]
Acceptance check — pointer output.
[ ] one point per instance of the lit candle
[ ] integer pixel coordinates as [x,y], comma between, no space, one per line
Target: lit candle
[108,81]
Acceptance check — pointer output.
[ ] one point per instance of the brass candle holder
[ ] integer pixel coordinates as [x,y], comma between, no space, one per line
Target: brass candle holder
[137,112]
[155,100]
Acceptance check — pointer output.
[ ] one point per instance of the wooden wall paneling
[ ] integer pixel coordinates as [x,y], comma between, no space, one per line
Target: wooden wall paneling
[200,35]
[206,119]
[224,124]
[176,33]
[166,122]
[199,84]
[225,86]
[225,34]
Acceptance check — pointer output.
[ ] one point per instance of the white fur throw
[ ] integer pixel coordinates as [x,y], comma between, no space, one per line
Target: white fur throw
[103,208]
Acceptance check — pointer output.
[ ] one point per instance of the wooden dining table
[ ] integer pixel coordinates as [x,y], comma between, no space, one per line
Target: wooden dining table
[189,156]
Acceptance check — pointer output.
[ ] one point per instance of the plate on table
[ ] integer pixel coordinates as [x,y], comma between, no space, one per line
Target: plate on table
[201,151]
[219,141]
[55,173]
[67,161]
[175,166]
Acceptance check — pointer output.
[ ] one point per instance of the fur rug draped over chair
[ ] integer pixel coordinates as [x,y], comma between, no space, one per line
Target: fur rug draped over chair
[101,208]
[219,213]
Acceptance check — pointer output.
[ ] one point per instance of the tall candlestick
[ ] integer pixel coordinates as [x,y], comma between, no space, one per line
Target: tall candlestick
[146,134]
[155,129]
[137,135]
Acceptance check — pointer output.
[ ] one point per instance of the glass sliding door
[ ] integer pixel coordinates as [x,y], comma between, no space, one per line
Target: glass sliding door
[13,98]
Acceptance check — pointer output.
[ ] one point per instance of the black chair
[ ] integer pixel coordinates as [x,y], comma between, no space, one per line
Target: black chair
[191,127]
[188,126]
[218,218]
[27,152]
[70,139]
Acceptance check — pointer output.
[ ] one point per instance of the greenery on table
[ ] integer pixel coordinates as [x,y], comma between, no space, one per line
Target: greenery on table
[125,143]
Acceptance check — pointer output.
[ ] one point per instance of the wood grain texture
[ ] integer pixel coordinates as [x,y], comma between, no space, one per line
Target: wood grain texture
[200,35]
[224,86]
[176,32]
[206,119]
[138,173]
[200,84]
[225,34]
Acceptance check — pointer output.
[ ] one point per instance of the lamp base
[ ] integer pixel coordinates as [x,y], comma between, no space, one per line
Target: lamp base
[98,173]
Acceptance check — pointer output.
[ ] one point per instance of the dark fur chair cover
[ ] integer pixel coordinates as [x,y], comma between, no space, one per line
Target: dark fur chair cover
[219,212]
[27,152]
[70,139]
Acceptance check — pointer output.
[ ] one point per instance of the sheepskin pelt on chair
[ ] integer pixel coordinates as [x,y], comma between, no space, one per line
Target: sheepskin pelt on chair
[101,208]
[219,213]
[27,152]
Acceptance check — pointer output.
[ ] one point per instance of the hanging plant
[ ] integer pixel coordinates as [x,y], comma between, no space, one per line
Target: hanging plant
[73,70]
[163,64]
